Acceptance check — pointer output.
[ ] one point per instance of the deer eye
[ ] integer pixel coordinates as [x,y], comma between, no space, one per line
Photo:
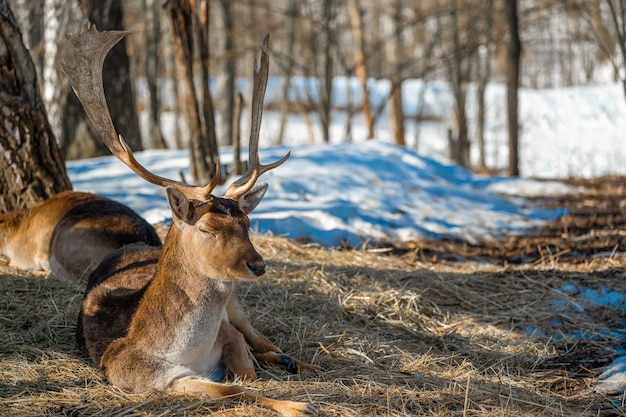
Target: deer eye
[208,231]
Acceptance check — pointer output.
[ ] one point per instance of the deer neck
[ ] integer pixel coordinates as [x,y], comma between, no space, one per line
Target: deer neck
[176,268]
[183,308]
[173,271]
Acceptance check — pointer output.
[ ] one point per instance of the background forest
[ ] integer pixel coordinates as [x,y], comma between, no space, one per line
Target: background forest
[464,42]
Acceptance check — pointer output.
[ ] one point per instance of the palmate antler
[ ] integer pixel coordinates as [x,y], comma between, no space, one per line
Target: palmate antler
[90,49]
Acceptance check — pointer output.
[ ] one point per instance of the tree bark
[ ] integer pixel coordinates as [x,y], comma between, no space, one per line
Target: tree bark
[151,65]
[189,25]
[618,17]
[458,78]
[514,52]
[397,109]
[360,69]
[285,105]
[211,151]
[484,74]
[31,168]
[326,84]
[229,73]
[238,168]
[182,38]
[54,91]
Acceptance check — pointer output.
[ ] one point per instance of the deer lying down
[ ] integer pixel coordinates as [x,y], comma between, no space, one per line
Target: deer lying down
[70,233]
[167,320]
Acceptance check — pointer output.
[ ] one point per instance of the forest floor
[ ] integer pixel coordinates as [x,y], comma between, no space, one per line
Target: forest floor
[445,329]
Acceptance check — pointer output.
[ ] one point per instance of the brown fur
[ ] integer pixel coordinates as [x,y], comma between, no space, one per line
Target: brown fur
[180,336]
[161,320]
[70,233]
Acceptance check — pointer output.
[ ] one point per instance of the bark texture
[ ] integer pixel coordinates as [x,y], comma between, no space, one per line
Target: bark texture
[31,168]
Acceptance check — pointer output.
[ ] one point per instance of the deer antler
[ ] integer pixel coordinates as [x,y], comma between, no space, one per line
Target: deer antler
[90,49]
[255,169]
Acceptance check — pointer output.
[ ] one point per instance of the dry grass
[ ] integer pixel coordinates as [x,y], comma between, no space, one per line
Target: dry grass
[396,337]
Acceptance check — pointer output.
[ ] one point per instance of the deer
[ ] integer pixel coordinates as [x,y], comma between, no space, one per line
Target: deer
[69,234]
[168,320]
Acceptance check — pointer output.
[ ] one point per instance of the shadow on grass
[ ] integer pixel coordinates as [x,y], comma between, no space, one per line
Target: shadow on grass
[395,342]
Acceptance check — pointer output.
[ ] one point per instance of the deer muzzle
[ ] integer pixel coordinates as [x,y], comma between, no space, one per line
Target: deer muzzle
[257,267]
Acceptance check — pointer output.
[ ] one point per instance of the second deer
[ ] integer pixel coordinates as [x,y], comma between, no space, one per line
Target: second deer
[70,233]
[168,320]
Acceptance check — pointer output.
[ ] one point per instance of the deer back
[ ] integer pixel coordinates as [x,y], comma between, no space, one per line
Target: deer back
[112,296]
[70,233]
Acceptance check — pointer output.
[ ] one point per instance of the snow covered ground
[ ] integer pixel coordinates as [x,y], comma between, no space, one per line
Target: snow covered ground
[348,194]
[368,191]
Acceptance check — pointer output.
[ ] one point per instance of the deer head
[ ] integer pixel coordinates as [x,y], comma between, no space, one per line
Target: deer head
[203,223]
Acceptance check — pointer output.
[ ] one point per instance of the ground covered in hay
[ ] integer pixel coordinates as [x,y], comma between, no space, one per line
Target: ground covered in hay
[445,329]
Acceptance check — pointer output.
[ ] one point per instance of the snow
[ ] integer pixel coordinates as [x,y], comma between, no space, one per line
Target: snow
[613,378]
[348,194]
[367,192]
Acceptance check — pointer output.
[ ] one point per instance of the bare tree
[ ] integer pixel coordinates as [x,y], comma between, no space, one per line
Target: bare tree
[609,24]
[31,169]
[79,139]
[189,25]
[514,52]
[360,68]
[327,67]
[53,89]
[292,15]
[29,15]
[484,63]
[229,72]
[151,62]
[459,68]
[395,48]
[318,61]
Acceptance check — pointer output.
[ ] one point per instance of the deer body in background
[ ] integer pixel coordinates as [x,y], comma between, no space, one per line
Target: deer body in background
[168,320]
[70,233]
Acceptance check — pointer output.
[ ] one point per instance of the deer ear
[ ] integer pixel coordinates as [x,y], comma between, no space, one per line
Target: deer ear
[252,198]
[180,205]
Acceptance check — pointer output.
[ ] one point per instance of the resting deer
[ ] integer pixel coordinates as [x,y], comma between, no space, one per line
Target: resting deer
[168,320]
[70,233]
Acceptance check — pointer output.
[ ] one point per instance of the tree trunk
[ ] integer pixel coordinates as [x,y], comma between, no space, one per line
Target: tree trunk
[188,26]
[174,72]
[459,87]
[238,168]
[182,38]
[326,84]
[80,140]
[396,76]
[151,66]
[618,17]
[31,168]
[484,74]
[514,51]
[229,73]
[29,15]
[285,105]
[360,69]
[211,151]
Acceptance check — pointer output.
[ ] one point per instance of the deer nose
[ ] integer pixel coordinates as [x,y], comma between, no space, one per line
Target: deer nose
[257,268]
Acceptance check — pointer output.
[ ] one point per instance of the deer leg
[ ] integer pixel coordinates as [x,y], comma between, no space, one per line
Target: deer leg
[235,352]
[285,361]
[238,318]
[263,350]
[214,390]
